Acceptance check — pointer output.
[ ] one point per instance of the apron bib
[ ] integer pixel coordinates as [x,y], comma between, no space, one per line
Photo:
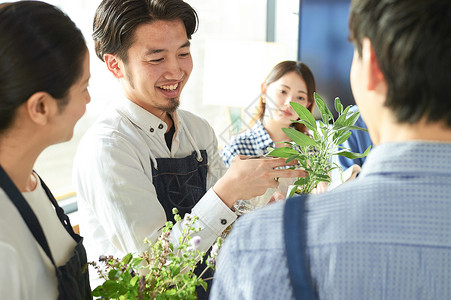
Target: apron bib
[73,277]
[295,245]
[180,183]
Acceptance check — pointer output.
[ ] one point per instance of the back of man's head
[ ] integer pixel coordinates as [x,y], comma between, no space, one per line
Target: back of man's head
[115,22]
[412,43]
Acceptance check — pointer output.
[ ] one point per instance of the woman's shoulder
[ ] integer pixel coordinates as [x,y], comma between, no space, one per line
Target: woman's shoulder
[247,136]
[245,143]
[252,132]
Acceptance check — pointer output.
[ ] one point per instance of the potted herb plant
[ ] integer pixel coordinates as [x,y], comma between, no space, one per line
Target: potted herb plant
[162,272]
[314,153]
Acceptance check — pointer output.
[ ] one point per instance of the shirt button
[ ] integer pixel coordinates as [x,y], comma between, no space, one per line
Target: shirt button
[151,129]
[160,126]
[223,221]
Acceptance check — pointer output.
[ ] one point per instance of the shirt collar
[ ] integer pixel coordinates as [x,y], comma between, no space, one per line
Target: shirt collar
[261,135]
[411,157]
[144,119]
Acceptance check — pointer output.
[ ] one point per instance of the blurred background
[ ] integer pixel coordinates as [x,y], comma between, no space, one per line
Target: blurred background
[236,45]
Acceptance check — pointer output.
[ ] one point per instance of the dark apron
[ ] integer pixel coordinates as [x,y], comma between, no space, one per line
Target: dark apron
[295,246]
[73,277]
[180,183]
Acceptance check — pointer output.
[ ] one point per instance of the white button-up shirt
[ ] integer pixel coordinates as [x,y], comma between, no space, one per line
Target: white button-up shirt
[117,201]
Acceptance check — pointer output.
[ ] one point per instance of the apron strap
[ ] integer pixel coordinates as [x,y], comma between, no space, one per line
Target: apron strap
[59,211]
[295,244]
[26,212]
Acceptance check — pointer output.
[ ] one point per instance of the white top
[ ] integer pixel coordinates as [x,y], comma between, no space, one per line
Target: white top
[117,201]
[26,271]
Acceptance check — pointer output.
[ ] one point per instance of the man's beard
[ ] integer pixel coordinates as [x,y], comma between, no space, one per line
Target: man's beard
[172,106]
[173,102]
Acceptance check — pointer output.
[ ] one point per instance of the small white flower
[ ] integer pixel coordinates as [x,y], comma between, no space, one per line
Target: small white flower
[214,250]
[188,217]
[195,241]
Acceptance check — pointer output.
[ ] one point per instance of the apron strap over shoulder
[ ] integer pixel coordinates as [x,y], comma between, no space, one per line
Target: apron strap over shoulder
[59,211]
[73,278]
[295,244]
[25,210]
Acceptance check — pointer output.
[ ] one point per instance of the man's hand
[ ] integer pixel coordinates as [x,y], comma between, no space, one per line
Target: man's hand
[247,178]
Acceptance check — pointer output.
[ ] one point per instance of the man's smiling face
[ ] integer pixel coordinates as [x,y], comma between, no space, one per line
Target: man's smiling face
[158,66]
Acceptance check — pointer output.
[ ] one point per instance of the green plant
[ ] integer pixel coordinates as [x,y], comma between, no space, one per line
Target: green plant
[314,152]
[162,272]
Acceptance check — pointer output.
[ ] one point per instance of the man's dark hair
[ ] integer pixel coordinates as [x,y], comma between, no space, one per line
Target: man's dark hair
[115,22]
[412,43]
[41,50]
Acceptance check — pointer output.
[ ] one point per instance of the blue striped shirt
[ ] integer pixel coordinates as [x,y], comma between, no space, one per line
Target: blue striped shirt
[384,235]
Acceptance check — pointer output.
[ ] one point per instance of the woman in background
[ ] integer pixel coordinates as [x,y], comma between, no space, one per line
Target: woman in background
[44,73]
[288,81]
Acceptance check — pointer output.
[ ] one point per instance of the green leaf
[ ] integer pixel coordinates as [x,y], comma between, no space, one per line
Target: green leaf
[170,292]
[293,191]
[340,120]
[113,274]
[175,270]
[346,128]
[325,112]
[304,114]
[203,284]
[338,105]
[302,180]
[308,125]
[283,152]
[352,155]
[134,280]
[98,291]
[344,137]
[127,258]
[352,119]
[367,151]
[298,137]
[324,132]
[346,110]
[323,177]
[136,261]
[111,287]
[342,117]
[295,156]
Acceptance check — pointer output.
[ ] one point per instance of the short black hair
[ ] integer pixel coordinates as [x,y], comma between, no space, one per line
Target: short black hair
[115,22]
[412,43]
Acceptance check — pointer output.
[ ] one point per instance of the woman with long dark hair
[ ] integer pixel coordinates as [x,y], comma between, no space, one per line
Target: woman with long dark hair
[44,73]
[288,81]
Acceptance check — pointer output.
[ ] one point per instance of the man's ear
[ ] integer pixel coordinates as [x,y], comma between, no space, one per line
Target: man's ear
[113,64]
[374,73]
[39,107]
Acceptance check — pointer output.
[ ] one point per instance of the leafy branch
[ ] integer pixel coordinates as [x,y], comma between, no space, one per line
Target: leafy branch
[160,272]
[314,151]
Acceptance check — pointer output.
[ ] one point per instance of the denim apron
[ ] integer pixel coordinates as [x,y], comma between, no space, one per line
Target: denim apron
[73,277]
[295,246]
[180,183]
